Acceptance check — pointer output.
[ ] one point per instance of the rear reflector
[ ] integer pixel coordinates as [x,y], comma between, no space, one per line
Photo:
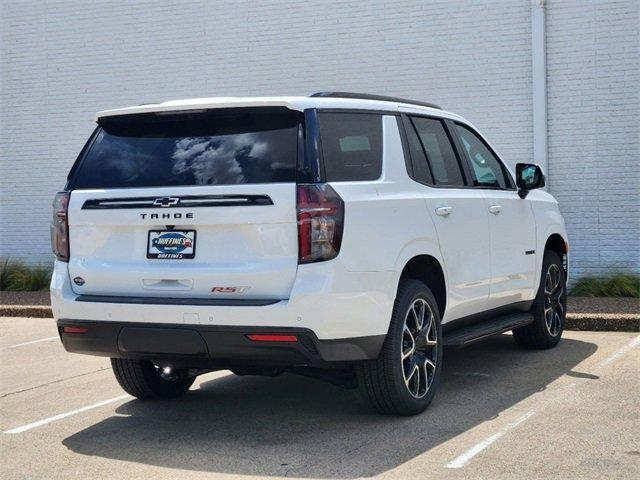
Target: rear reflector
[71,329]
[272,338]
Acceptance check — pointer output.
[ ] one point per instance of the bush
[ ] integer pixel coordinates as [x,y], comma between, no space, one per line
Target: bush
[17,276]
[613,286]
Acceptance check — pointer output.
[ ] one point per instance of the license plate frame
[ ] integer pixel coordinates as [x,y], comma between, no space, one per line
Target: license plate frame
[170,244]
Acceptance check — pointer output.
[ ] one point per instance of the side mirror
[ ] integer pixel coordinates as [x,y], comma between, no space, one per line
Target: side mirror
[528,177]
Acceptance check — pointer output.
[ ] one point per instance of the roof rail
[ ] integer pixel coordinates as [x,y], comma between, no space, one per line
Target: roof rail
[368,96]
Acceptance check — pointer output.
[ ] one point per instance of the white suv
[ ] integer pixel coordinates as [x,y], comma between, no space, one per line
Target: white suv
[345,236]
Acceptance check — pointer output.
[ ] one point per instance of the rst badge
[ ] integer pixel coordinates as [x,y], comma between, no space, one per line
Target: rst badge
[171,244]
[229,289]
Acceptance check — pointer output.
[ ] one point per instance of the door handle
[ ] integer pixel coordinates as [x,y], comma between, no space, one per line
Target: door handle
[495,209]
[444,211]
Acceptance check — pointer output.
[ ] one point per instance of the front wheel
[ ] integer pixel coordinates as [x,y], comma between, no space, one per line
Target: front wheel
[549,308]
[145,380]
[404,377]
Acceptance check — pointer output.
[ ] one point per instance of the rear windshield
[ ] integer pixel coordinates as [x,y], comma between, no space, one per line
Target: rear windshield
[222,147]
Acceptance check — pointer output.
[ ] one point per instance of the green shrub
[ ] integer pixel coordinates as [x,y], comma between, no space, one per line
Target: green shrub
[614,286]
[17,276]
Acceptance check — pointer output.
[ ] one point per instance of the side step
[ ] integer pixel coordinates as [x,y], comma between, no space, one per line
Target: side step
[468,334]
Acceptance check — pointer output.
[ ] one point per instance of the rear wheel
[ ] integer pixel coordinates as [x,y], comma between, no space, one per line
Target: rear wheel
[404,378]
[145,380]
[549,308]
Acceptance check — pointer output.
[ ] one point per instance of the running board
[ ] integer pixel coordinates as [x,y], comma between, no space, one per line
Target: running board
[468,334]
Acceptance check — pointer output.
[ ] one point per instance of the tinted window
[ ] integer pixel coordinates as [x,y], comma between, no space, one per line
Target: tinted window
[351,146]
[225,147]
[421,171]
[487,168]
[441,157]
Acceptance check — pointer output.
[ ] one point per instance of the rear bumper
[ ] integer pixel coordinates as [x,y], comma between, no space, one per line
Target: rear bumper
[212,346]
[326,299]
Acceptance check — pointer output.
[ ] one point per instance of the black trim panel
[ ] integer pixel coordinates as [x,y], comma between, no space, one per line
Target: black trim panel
[368,96]
[461,337]
[213,346]
[488,315]
[182,201]
[214,302]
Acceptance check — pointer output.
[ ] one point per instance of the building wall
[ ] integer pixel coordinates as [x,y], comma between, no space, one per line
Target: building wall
[61,61]
[593,126]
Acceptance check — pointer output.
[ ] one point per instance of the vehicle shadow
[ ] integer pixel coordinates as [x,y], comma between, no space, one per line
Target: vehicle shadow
[295,426]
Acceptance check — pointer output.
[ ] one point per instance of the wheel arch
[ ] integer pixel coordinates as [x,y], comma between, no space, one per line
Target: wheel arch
[428,269]
[558,244]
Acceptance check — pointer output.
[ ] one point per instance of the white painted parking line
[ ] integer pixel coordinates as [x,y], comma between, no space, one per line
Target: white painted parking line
[632,344]
[60,416]
[463,459]
[48,339]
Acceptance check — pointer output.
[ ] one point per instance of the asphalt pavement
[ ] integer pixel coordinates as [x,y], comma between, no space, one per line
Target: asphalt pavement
[500,412]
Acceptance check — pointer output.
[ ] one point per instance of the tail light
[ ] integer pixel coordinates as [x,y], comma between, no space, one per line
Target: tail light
[320,222]
[60,227]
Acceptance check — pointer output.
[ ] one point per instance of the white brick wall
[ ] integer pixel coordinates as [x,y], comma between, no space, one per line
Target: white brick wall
[63,60]
[593,122]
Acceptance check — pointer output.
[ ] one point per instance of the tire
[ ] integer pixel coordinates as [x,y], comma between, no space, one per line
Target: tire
[383,380]
[144,380]
[549,309]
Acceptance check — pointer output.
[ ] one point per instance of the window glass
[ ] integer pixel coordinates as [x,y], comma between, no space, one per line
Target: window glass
[226,147]
[351,146]
[419,159]
[487,168]
[440,154]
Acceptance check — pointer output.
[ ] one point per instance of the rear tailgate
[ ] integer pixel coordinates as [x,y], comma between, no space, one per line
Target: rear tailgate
[187,206]
[252,248]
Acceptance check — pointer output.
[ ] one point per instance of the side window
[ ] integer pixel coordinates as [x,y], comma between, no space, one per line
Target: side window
[421,171]
[351,146]
[441,158]
[488,170]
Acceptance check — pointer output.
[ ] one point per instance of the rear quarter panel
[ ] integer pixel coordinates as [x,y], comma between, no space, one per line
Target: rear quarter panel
[386,221]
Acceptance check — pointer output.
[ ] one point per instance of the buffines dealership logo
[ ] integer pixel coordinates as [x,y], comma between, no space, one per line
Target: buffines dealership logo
[171,244]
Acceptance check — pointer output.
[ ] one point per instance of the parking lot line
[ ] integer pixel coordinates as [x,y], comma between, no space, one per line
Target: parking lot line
[463,459]
[632,344]
[31,342]
[60,416]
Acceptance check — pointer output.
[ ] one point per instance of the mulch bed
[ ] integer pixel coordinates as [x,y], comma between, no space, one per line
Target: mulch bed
[24,298]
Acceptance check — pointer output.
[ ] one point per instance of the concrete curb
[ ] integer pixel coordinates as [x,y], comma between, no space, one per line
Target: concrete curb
[603,322]
[597,322]
[33,311]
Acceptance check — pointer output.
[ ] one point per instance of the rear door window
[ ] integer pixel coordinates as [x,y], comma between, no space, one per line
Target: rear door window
[218,147]
[351,146]
[441,157]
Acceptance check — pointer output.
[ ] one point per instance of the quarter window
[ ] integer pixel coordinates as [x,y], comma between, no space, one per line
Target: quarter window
[488,170]
[351,146]
[441,157]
